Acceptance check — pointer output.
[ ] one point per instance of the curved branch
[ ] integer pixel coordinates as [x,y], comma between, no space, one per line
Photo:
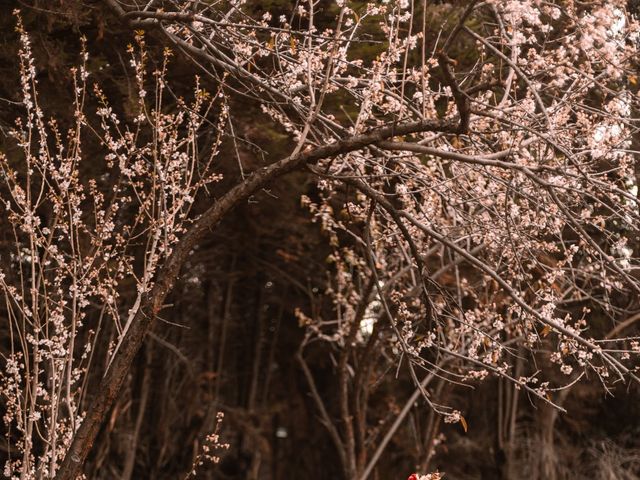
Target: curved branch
[153,300]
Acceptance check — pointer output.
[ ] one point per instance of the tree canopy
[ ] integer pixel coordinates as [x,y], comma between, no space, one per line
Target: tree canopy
[321,239]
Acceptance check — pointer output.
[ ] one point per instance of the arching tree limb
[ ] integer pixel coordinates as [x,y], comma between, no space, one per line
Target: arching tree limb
[153,301]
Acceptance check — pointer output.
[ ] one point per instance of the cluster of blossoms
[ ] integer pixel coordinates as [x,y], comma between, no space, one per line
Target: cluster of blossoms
[211,446]
[454,251]
[85,236]
[516,220]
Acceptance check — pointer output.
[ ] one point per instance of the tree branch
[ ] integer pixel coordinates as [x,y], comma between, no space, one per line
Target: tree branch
[153,301]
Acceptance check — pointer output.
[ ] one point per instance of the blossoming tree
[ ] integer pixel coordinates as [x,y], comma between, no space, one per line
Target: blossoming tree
[478,208]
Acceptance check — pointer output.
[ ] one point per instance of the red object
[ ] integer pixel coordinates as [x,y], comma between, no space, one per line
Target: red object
[413,476]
